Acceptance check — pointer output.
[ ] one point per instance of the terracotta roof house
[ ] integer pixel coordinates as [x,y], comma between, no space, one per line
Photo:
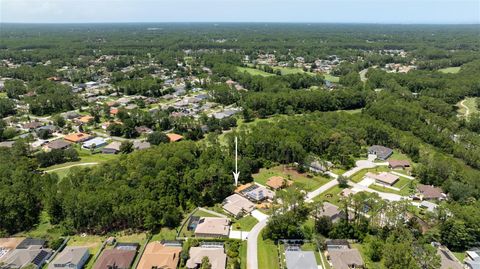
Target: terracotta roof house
[70,257]
[157,255]
[346,259]
[114,111]
[383,178]
[58,144]
[112,148]
[382,152]
[115,259]
[278,182]
[398,164]
[430,192]
[212,227]
[237,205]
[216,256]
[77,137]
[174,137]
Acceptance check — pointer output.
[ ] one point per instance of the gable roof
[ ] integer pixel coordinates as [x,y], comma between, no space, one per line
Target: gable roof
[430,191]
[236,204]
[58,144]
[384,177]
[77,137]
[398,163]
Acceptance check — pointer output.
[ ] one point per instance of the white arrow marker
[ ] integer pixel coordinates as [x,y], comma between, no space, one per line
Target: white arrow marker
[236,174]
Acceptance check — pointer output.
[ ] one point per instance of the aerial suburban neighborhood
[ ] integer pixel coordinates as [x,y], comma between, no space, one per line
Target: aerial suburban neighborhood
[294,143]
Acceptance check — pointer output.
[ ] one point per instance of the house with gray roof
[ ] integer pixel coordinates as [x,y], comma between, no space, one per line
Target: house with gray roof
[298,259]
[70,257]
[381,152]
[19,258]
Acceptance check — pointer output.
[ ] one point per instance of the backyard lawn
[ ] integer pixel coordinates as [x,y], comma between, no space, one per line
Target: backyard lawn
[399,156]
[305,181]
[245,224]
[331,195]
[267,254]
[164,234]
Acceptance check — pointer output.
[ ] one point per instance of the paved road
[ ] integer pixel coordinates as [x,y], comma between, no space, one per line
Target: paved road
[70,166]
[252,244]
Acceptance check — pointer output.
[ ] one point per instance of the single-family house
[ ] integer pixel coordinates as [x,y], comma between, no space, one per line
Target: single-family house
[212,227]
[278,182]
[255,193]
[58,144]
[139,145]
[174,137]
[472,259]
[216,257]
[381,152]
[32,125]
[77,137]
[94,143]
[398,164]
[112,148]
[383,178]
[345,259]
[430,192]
[331,211]
[320,167]
[237,205]
[158,255]
[70,257]
[143,130]
[334,244]
[115,259]
[298,259]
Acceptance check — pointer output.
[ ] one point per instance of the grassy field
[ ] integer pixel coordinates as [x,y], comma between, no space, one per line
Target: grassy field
[399,156]
[244,224]
[85,157]
[331,195]
[467,107]
[450,70]
[267,254]
[254,72]
[243,255]
[303,181]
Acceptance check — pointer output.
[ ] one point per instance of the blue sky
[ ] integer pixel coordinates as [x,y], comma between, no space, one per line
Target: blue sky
[360,11]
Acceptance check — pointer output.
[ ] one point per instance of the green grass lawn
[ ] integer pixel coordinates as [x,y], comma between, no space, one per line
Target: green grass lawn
[460,255]
[399,156]
[450,70]
[44,229]
[331,195]
[359,175]
[201,213]
[331,78]
[291,70]
[164,234]
[267,254]
[3,95]
[369,264]
[401,183]
[86,157]
[243,255]
[305,181]
[245,224]
[92,242]
[254,72]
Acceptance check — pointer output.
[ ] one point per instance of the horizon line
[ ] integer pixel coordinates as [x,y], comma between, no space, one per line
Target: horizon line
[244,22]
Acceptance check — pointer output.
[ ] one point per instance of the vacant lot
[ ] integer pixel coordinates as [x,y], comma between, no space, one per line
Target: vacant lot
[332,195]
[305,181]
[254,72]
[267,254]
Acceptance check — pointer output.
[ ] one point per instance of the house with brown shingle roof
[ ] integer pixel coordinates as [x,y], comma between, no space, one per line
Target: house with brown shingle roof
[383,178]
[398,164]
[345,258]
[58,144]
[115,259]
[429,192]
[158,255]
